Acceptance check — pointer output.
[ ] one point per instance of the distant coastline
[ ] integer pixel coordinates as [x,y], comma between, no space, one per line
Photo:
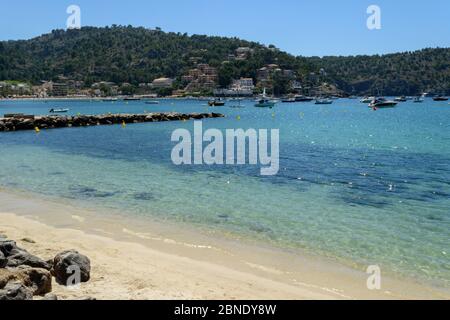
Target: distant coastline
[239,66]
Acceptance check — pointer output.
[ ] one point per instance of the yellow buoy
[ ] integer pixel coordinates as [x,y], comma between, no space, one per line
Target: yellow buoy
[124,124]
[238,118]
[37,129]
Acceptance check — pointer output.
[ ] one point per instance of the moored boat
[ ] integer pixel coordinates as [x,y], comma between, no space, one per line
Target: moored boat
[59,110]
[264,102]
[367,99]
[288,100]
[216,103]
[324,101]
[440,98]
[418,100]
[382,103]
[151,102]
[303,99]
[400,99]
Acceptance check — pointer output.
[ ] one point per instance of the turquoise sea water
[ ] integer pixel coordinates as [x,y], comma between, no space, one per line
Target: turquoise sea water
[367,186]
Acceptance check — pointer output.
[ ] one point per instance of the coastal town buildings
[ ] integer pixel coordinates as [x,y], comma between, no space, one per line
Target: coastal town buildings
[203,77]
[39,92]
[162,83]
[104,89]
[296,85]
[8,88]
[243,84]
[266,73]
[59,89]
[242,87]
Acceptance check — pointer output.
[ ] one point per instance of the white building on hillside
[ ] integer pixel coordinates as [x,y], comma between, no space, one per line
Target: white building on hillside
[162,83]
[243,84]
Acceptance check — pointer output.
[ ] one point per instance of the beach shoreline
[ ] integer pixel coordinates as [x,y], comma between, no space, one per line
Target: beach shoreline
[157,262]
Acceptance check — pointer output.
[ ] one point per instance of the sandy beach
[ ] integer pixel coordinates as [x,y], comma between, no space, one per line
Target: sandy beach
[131,271]
[137,265]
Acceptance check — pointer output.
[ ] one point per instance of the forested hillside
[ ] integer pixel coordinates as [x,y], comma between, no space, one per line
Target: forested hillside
[138,55]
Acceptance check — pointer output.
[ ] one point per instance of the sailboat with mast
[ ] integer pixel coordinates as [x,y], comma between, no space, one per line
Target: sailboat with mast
[264,102]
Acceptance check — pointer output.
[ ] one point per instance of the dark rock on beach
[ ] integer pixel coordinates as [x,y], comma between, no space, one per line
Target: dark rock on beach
[3,260]
[15,291]
[71,258]
[23,275]
[6,246]
[21,257]
[17,256]
[38,281]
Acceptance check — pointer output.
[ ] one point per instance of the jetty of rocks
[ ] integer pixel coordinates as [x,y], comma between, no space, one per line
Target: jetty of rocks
[18,122]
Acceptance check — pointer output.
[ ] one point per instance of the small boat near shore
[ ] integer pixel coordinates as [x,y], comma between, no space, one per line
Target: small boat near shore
[59,110]
[110,99]
[152,102]
[367,99]
[324,101]
[400,99]
[303,99]
[382,103]
[440,98]
[288,100]
[264,102]
[418,100]
[216,103]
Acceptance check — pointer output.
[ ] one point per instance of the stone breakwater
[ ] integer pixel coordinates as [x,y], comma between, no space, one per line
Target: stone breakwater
[22,122]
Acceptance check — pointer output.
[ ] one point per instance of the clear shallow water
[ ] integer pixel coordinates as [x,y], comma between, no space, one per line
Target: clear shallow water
[369,187]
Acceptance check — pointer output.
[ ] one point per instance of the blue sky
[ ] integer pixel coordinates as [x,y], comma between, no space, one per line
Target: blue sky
[300,27]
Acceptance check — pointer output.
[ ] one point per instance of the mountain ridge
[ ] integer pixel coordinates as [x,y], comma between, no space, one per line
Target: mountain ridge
[138,55]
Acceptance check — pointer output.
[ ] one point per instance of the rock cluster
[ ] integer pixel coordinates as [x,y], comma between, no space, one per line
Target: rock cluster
[23,275]
[20,122]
